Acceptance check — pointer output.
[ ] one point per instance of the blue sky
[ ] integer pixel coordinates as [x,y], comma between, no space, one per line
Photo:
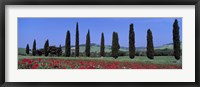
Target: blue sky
[55,30]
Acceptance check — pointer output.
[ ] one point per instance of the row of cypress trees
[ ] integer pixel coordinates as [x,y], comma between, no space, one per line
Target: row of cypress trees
[46,50]
[150,46]
[33,49]
[115,43]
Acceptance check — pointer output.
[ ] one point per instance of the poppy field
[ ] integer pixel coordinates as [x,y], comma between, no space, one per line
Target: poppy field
[39,62]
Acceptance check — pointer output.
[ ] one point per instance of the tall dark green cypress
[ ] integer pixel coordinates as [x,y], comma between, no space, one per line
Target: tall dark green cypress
[67,45]
[150,46]
[27,49]
[77,41]
[46,48]
[131,42]
[34,48]
[115,45]
[102,50]
[87,46]
[176,40]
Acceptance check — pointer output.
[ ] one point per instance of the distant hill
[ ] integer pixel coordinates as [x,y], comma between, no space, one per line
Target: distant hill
[167,46]
[96,48]
[21,51]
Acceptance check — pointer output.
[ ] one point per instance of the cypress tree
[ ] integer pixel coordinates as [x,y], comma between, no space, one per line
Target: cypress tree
[46,48]
[115,45]
[131,42]
[102,52]
[87,47]
[176,40]
[150,46]
[34,48]
[77,41]
[27,49]
[67,45]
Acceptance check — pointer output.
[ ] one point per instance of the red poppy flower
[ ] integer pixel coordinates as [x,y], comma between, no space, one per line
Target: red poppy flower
[35,66]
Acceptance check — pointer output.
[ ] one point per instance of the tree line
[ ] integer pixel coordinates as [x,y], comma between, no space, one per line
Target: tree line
[53,50]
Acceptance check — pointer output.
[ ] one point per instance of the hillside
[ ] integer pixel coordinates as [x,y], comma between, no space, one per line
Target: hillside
[166,46]
[96,48]
[21,51]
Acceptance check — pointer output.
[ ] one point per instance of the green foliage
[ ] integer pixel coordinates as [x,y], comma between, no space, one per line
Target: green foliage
[115,45]
[52,50]
[94,54]
[59,51]
[87,46]
[34,48]
[131,42]
[55,51]
[77,41]
[27,49]
[40,52]
[163,52]
[102,49]
[150,47]
[67,45]
[46,46]
[176,40]
[122,53]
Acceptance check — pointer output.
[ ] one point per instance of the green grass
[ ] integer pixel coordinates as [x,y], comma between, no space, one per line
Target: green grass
[143,59]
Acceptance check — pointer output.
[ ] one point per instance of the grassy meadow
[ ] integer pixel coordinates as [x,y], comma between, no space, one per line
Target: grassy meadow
[140,59]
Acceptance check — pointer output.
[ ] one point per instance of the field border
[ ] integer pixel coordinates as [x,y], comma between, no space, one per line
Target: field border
[98,2]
